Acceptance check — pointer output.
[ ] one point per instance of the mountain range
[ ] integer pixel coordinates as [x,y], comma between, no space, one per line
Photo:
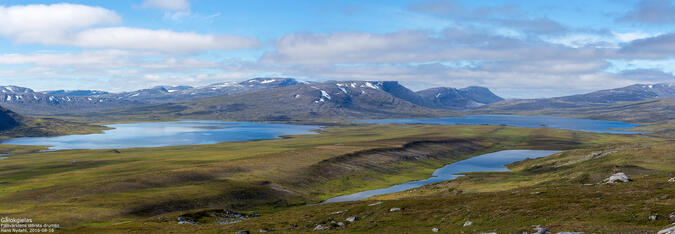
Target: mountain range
[287,99]
[346,93]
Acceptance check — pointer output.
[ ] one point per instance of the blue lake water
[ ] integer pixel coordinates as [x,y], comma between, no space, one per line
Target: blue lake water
[159,134]
[485,162]
[197,132]
[521,121]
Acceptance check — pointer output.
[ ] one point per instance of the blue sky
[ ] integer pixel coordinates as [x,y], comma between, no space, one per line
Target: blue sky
[519,49]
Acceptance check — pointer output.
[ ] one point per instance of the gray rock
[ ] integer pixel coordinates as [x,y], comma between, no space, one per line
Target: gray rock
[374,204]
[263,230]
[321,228]
[435,230]
[672,180]
[242,232]
[570,233]
[540,230]
[182,220]
[341,224]
[467,223]
[672,215]
[394,209]
[618,177]
[670,230]
[352,219]
[654,217]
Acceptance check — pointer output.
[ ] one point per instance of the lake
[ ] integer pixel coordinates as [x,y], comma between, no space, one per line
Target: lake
[159,134]
[198,132]
[485,162]
[586,125]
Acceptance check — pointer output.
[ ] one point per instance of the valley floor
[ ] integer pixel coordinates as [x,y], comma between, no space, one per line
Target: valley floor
[149,189]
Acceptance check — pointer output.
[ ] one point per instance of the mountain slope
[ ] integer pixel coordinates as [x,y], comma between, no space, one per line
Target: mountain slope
[57,102]
[635,92]
[9,119]
[329,101]
[635,103]
[607,97]
[451,98]
[15,125]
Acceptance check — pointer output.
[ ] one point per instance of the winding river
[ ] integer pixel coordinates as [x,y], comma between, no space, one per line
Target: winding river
[486,162]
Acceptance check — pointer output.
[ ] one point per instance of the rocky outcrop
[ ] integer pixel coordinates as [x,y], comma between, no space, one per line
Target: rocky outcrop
[321,228]
[541,230]
[618,177]
[670,230]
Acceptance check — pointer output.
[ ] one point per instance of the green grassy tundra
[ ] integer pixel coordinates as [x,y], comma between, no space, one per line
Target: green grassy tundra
[147,189]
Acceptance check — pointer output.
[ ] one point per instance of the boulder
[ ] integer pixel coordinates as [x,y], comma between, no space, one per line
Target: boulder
[654,217]
[540,230]
[467,223]
[670,230]
[242,232]
[394,209]
[182,220]
[435,229]
[618,177]
[352,219]
[672,215]
[321,228]
[672,180]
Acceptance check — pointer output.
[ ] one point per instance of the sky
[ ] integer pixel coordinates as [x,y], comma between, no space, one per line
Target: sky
[518,49]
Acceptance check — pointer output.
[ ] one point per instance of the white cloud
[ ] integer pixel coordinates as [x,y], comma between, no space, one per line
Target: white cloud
[631,36]
[415,47]
[168,5]
[163,40]
[79,25]
[48,24]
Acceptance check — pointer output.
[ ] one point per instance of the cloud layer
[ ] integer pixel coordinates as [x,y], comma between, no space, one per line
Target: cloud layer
[78,25]
[498,46]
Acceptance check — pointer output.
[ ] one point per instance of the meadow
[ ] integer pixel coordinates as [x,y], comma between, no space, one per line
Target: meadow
[128,189]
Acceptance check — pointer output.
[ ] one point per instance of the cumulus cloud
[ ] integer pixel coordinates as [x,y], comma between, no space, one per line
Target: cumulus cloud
[48,24]
[104,68]
[651,12]
[658,47]
[164,40]
[413,46]
[76,25]
[458,57]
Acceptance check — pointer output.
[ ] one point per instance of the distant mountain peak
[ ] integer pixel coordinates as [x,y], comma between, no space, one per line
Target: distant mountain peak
[269,81]
[15,89]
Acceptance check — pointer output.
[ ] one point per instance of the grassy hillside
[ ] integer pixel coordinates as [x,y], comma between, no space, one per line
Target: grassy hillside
[15,125]
[563,192]
[122,190]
